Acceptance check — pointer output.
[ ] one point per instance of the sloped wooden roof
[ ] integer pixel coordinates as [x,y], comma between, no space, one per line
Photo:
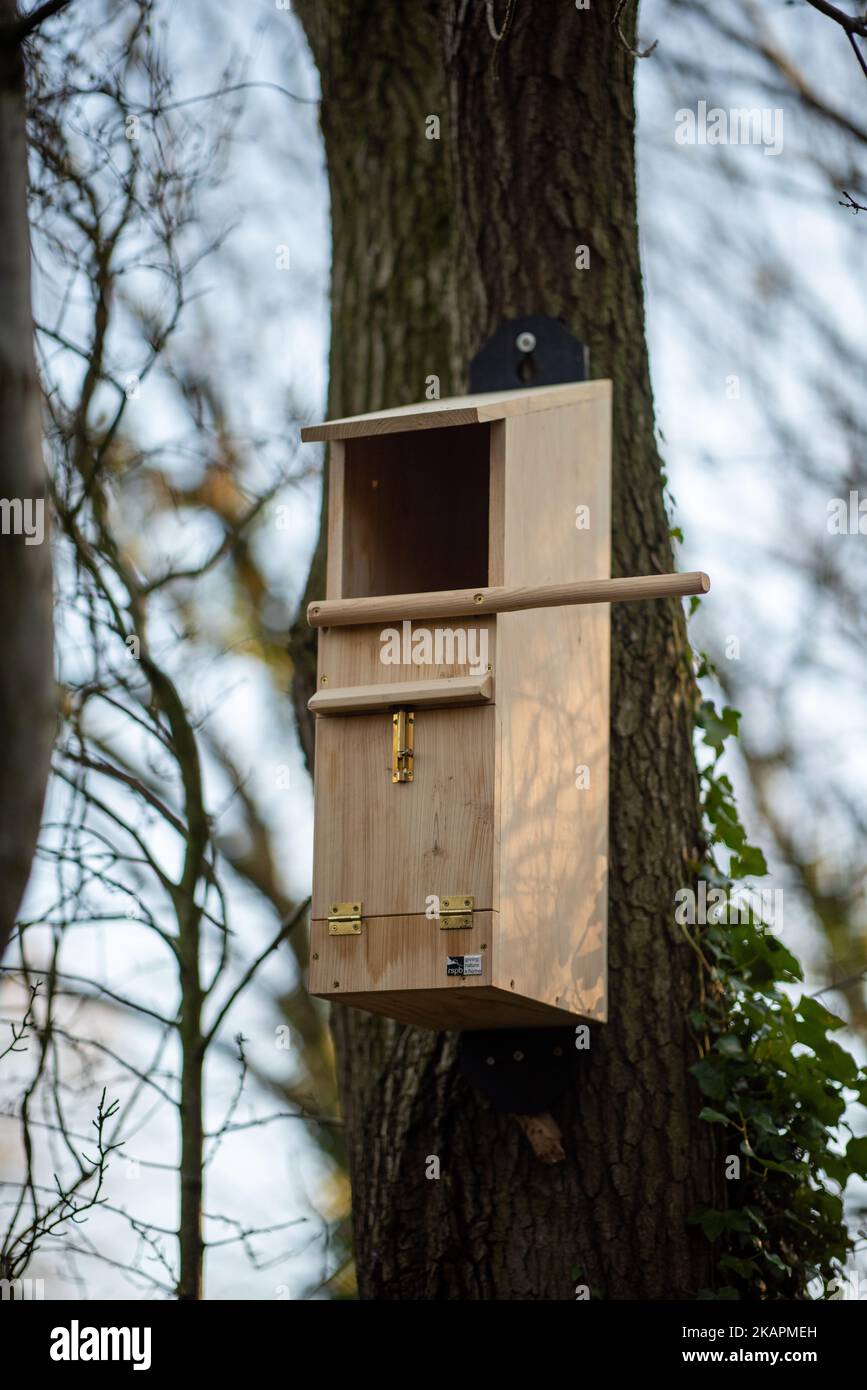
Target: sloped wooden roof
[457,410]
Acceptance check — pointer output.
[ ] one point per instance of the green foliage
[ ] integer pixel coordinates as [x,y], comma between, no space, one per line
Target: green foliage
[775,1081]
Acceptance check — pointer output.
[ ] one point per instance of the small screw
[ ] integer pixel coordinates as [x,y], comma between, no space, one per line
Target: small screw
[489,667]
[484,946]
[518,1056]
[315,955]
[334,907]
[489,1061]
[314,610]
[478,598]
[525,342]
[336,984]
[323,680]
[466,902]
[511,984]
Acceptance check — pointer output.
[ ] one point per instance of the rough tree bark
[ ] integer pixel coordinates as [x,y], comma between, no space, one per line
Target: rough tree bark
[27,718]
[434,243]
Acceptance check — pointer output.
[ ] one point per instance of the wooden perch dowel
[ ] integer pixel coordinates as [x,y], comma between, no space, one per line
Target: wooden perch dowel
[457,603]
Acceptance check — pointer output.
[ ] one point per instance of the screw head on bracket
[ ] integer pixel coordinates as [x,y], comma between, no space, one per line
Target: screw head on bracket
[530,350]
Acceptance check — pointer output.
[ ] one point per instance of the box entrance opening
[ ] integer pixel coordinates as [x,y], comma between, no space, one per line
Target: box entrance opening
[417,508]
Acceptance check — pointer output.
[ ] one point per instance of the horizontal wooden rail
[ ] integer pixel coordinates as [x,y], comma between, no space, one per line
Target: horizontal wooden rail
[457,603]
[421,694]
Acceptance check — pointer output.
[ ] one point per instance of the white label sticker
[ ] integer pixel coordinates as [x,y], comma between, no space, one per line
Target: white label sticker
[463,965]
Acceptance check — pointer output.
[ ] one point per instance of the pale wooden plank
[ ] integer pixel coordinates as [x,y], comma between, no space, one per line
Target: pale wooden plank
[496,505]
[466,1009]
[353,655]
[421,694]
[334,555]
[406,952]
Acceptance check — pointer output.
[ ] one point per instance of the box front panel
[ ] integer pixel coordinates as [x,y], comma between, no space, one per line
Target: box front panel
[394,846]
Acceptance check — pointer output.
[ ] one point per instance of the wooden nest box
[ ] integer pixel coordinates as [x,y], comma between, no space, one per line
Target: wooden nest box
[462,710]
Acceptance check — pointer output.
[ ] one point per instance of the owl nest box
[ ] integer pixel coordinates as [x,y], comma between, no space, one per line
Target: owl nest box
[462,710]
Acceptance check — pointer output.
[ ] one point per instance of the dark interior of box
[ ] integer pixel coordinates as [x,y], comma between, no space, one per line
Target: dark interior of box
[416,510]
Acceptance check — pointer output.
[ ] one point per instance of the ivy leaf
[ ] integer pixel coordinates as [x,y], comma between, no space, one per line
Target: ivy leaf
[717,727]
[814,1012]
[745,1268]
[712,1222]
[856,1155]
[709,1078]
[836,1166]
[749,863]
[762,1121]
[713,1117]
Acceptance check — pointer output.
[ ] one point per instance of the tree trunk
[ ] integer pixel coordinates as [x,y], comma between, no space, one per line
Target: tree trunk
[27,703]
[434,243]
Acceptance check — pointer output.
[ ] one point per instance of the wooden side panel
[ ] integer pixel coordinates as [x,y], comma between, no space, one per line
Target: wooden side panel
[334,556]
[497,504]
[392,846]
[552,676]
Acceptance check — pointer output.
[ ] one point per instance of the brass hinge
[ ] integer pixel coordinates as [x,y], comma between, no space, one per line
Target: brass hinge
[344,919]
[402,722]
[456,911]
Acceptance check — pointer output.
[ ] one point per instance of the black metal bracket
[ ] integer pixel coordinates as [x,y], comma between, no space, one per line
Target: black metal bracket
[520,1071]
[535,350]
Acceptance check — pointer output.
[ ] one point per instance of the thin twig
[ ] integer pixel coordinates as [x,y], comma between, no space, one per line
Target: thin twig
[616,21]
